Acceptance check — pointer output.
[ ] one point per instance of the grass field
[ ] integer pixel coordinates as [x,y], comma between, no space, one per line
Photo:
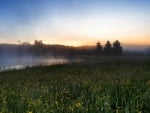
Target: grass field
[93,86]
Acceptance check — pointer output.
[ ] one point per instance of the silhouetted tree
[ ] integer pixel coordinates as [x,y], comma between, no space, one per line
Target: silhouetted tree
[38,42]
[26,43]
[117,49]
[108,48]
[99,48]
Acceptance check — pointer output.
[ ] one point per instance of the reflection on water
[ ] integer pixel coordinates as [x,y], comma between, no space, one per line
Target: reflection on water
[22,62]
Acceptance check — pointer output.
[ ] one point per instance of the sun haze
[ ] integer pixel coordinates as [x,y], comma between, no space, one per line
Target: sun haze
[75,22]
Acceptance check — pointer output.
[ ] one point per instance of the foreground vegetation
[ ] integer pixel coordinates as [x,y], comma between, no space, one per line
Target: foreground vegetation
[112,86]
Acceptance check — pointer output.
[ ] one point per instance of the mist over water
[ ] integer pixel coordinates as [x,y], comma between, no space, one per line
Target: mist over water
[20,56]
[16,62]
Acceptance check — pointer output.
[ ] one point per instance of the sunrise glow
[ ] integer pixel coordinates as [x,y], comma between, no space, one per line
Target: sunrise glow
[75,22]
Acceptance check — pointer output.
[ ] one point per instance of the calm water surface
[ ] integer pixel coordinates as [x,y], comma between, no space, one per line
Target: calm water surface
[9,63]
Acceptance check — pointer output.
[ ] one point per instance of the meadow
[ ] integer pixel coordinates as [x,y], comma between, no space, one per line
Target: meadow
[92,86]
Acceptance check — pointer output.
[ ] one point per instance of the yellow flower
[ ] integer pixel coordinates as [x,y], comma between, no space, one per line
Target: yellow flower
[117,111]
[70,108]
[139,111]
[30,112]
[148,82]
[56,102]
[78,105]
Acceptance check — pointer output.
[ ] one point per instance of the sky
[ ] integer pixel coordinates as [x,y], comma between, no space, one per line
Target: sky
[75,22]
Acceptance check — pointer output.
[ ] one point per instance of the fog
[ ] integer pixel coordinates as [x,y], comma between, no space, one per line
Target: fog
[16,62]
[20,56]
[137,50]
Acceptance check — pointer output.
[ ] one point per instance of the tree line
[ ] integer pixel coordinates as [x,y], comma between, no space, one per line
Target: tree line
[41,49]
[109,49]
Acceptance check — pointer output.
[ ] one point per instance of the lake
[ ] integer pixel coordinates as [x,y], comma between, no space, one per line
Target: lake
[9,63]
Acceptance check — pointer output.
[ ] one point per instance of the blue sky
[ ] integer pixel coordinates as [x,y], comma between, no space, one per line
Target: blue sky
[75,22]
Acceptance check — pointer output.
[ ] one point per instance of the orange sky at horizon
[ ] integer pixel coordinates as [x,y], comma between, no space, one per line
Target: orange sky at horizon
[77,40]
[75,22]
[87,41]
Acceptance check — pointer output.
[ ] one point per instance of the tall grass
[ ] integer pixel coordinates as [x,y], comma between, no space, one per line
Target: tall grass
[88,87]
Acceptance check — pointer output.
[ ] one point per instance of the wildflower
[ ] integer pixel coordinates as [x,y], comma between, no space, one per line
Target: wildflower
[128,82]
[56,103]
[78,105]
[117,111]
[148,82]
[30,112]
[70,108]
[139,111]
